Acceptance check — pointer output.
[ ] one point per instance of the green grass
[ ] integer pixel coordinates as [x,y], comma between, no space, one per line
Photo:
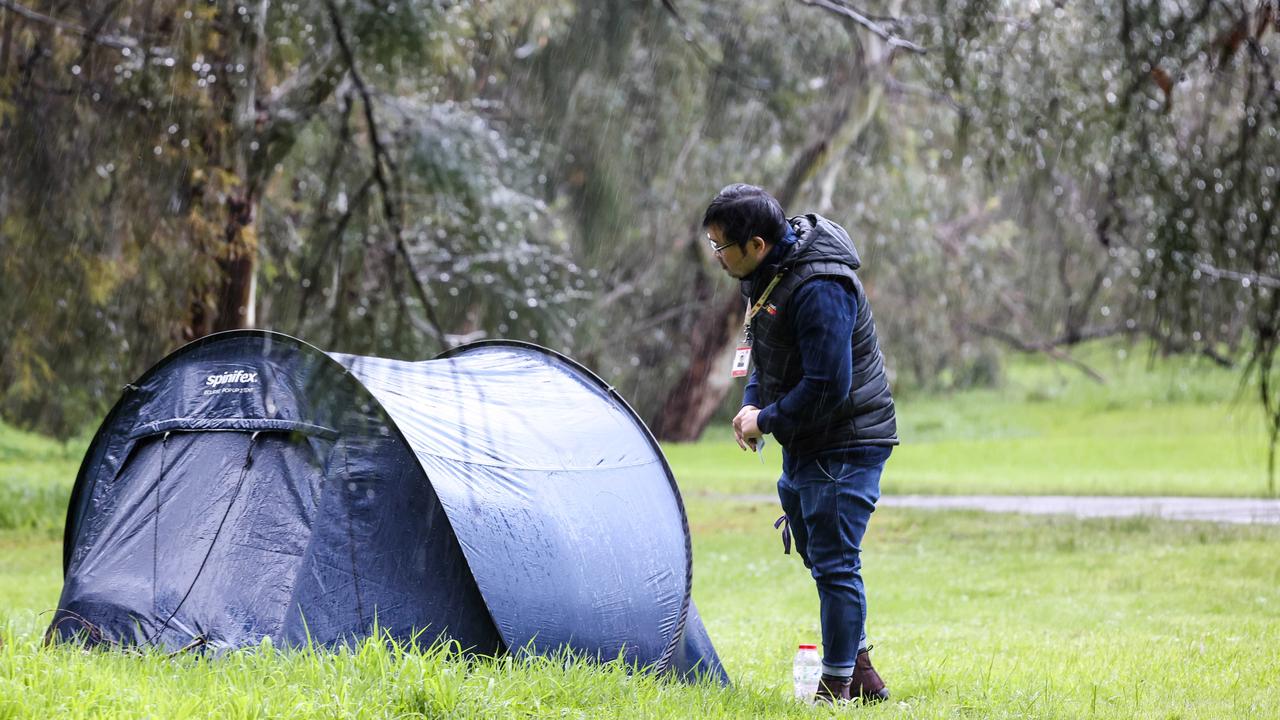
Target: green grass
[1008,616]
[972,615]
[1181,427]
[36,475]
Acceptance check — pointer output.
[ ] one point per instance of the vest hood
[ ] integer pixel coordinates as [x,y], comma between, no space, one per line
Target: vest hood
[821,239]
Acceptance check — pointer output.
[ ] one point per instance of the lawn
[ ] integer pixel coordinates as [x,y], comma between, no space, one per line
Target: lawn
[972,615]
[1182,426]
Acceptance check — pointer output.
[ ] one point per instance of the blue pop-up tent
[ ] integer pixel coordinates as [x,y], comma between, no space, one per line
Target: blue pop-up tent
[251,486]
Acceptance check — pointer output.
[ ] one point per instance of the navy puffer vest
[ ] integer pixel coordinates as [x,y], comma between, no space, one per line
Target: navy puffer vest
[866,417]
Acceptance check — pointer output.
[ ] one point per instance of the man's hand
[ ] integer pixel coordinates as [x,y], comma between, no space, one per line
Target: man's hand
[745,429]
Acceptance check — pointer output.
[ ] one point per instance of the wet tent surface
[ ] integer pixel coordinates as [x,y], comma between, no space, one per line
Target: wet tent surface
[570,519]
[250,485]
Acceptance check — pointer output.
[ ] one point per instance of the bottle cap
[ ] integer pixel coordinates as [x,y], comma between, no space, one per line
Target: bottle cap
[808,647]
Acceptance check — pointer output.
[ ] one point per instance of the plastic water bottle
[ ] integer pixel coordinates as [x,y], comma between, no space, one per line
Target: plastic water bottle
[806,671]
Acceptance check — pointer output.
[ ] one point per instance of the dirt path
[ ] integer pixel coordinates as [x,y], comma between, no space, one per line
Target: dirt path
[1207,509]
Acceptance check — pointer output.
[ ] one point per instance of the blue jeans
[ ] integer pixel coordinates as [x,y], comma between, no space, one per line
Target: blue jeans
[828,500]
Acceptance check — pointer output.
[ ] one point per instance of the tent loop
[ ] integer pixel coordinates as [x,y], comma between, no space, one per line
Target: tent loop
[244,471]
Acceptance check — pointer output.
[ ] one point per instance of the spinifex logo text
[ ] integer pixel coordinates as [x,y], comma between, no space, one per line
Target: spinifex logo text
[232,377]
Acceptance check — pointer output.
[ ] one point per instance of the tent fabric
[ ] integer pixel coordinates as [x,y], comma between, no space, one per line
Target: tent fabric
[251,486]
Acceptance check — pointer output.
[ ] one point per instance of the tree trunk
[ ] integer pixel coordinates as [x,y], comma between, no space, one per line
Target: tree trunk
[693,400]
[227,302]
[236,305]
[701,389]
[257,130]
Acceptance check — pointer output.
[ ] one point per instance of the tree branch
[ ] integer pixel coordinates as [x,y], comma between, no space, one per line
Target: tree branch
[119,42]
[1252,278]
[1049,348]
[896,88]
[843,9]
[96,29]
[274,122]
[382,163]
[732,72]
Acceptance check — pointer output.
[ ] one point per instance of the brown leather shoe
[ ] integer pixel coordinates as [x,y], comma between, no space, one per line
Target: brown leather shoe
[866,683]
[832,689]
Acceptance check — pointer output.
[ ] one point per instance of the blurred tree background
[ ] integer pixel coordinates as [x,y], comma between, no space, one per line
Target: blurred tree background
[395,178]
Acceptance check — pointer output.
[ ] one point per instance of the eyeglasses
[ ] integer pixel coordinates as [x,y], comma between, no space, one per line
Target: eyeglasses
[718,249]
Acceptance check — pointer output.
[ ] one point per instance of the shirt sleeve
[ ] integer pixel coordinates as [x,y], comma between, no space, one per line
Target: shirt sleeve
[751,394]
[821,314]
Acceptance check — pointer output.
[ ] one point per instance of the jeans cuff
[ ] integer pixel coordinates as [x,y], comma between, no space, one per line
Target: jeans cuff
[840,672]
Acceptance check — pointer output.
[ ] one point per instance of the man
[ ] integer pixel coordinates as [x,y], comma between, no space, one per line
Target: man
[818,385]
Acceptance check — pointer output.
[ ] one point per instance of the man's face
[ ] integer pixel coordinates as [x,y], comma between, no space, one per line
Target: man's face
[737,260]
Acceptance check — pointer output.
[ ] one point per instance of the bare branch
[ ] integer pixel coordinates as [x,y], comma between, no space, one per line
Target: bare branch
[274,121]
[897,88]
[839,7]
[119,42]
[384,167]
[1244,278]
[1049,348]
[731,72]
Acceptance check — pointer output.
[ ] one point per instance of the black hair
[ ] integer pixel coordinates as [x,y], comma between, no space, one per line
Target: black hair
[744,211]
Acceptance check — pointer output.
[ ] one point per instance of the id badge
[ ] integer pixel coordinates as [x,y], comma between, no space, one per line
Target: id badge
[741,361]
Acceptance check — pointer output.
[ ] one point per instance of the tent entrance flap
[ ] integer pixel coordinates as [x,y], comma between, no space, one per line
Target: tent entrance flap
[202,536]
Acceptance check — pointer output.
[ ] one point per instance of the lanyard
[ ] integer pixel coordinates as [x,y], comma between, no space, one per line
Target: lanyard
[755,309]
